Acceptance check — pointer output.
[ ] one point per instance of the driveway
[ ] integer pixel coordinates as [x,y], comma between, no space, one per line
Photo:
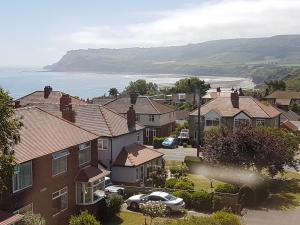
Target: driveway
[178,153]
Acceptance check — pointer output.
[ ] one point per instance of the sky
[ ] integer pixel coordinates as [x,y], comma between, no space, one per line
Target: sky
[39,32]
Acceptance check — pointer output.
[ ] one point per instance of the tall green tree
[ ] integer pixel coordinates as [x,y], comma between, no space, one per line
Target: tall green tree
[9,136]
[275,85]
[142,87]
[113,92]
[191,85]
[259,148]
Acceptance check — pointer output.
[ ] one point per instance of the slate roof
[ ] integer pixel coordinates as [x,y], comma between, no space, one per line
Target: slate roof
[284,95]
[43,134]
[251,106]
[95,118]
[54,98]
[135,155]
[144,105]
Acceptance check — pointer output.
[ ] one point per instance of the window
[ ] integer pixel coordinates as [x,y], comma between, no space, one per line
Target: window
[59,162]
[90,192]
[60,200]
[137,173]
[260,122]
[154,132]
[151,118]
[138,136]
[147,132]
[241,121]
[22,177]
[212,122]
[84,153]
[102,144]
[137,117]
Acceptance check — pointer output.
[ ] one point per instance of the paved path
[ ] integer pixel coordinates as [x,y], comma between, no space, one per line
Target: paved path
[178,153]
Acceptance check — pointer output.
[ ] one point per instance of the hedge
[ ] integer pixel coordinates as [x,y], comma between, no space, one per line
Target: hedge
[227,188]
[182,184]
[202,200]
[186,196]
[157,142]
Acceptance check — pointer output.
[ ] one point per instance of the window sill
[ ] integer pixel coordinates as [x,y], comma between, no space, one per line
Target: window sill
[59,174]
[61,211]
[21,190]
[92,203]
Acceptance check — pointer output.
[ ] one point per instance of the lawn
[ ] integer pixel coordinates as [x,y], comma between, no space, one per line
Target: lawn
[202,182]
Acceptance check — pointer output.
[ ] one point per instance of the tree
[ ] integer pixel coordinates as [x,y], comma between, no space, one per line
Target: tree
[259,148]
[153,210]
[191,85]
[9,136]
[142,87]
[84,218]
[158,176]
[113,204]
[294,107]
[113,92]
[32,219]
[276,85]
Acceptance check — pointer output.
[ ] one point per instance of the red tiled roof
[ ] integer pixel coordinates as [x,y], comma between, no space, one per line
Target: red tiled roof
[284,95]
[290,125]
[91,174]
[252,107]
[95,118]
[144,105]
[43,134]
[8,219]
[54,98]
[135,155]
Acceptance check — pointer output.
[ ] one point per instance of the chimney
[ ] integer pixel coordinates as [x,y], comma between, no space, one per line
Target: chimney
[131,118]
[17,104]
[133,98]
[64,101]
[235,99]
[218,89]
[68,113]
[47,91]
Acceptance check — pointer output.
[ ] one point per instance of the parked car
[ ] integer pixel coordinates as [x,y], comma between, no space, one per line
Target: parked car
[170,142]
[172,203]
[183,136]
[110,188]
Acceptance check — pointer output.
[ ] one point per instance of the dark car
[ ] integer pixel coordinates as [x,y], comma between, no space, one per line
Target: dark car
[170,142]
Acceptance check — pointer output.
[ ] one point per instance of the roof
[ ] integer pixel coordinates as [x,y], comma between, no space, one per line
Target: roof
[288,115]
[53,98]
[135,155]
[43,134]
[291,125]
[9,219]
[91,174]
[95,118]
[283,101]
[249,105]
[284,95]
[212,95]
[144,105]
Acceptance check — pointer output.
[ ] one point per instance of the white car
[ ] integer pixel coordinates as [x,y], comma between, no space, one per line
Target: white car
[172,203]
[110,188]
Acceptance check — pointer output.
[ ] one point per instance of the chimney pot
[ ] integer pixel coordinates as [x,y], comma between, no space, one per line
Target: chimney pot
[68,113]
[131,118]
[235,99]
[47,91]
[64,101]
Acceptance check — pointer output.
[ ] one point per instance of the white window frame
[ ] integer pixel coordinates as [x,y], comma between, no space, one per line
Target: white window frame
[137,117]
[154,132]
[213,123]
[238,121]
[82,148]
[16,173]
[151,118]
[59,156]
[102,141]
[260,122]
[147,132]
[60,193]
[93,185]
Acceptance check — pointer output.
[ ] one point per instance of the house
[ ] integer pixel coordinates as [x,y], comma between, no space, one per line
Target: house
[288,115]
[159,119]
[231,111]
[283,99]
[178,98]
[291,125]
[48,96]
[117,134]
[210,95]
[57,172]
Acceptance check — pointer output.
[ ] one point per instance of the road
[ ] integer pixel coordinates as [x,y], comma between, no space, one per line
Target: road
[178,153]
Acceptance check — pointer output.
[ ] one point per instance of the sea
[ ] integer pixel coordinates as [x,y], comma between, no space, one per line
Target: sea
[21,81]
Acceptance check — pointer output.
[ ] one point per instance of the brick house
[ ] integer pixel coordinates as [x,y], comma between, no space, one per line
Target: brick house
[158,119]
[57,172]
[231,111]
[283,99]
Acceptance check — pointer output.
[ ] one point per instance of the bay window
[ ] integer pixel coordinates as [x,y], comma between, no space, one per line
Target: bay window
[22,176]
[84,153]
[89,192]
[59,162]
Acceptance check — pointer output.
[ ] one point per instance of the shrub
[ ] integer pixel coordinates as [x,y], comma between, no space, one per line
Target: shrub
[246,196]
[158,176]
[184,184]
[153,210]
[179,170]
[186,196]
[202,200]
[218,203]
[157,142]
[227,188]
[226,218]
[113,204]
[192,162]
[170,183]
[32,219]
[84,219]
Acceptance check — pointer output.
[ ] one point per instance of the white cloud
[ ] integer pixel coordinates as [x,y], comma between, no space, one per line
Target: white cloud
[208,21]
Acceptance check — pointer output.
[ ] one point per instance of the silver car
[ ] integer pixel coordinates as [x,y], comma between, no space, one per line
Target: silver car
[172,203]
